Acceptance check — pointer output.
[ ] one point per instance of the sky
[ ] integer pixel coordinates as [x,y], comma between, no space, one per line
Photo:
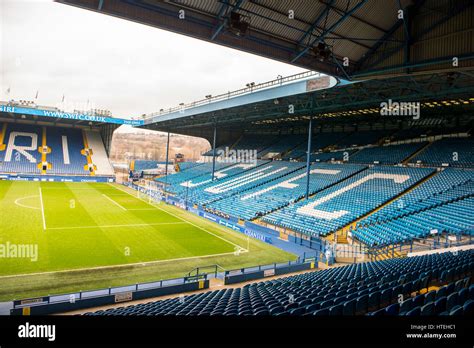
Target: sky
[98,61]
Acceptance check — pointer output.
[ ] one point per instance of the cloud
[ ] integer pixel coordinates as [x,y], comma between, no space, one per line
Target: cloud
[125,67]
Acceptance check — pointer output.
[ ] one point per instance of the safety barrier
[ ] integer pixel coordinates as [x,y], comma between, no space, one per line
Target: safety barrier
[263,271]
[74,301]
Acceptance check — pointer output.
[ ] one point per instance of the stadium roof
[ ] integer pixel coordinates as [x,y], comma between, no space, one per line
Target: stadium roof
[440,95]
[375,36]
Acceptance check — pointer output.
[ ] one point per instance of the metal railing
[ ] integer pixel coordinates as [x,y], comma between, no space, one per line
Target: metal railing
[250,89]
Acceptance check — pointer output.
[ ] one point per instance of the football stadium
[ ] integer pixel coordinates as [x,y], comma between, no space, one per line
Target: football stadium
[345,190]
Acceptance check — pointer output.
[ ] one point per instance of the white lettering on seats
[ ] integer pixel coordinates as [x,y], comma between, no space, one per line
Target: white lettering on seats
[244,179]
[219,175]
[309,210]
[289,183]
[20,148]
[65,150]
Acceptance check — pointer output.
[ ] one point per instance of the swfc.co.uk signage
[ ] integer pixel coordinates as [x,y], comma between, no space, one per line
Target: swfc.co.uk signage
[68,115]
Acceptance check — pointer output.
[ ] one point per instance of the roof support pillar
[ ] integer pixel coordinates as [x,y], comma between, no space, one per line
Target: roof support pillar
[308,155]
[167,153]
[214,151]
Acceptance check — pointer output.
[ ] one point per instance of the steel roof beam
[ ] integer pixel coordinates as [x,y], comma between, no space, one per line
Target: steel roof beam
[330,29]
[341,12]
[315,23]
[224,7]
[339,36]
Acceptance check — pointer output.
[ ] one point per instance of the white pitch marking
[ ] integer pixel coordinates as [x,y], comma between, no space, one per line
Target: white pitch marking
[114,202]
[122,265]
[42,208]
[17,202]
[188,222]
[111,226]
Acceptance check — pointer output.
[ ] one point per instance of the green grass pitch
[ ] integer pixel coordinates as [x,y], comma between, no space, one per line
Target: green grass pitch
[95,235]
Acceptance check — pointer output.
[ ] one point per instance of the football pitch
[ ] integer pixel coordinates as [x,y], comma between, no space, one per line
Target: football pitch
[61,237]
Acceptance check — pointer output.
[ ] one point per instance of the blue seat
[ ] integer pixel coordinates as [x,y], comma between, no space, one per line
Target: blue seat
[451,301]
[361,304]
[428,309]
[377,313]
[392,309]
[441,292]
[312,307]
[440,305]
[385,297]
[463,295]
[336,310]
[327,303]
[276,310]
[297,311]
[468,307]
[471,292]
[322,312]
[406,306]
[430,296]
[396,291]
[457,310]
[373,301]
[419,300]
[414,312]
[450,288]
[261,312]
[348,307]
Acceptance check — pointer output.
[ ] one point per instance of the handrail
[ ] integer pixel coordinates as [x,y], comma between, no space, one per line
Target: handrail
[228,95]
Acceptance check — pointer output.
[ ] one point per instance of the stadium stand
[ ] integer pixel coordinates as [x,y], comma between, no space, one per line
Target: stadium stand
[191,173]
[360,138]
[442,203]
[458,152]
[141,165]
[279,193]
[391,154]
[19,152]
[99,155]
[30,149]
[286,143]
[366,190]
[319,141]
[249,178]
[204,181]
[357,289]
[187,165]
[332,156]
[256,142]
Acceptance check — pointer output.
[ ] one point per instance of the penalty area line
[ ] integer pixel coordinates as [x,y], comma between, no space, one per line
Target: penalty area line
[114,202]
